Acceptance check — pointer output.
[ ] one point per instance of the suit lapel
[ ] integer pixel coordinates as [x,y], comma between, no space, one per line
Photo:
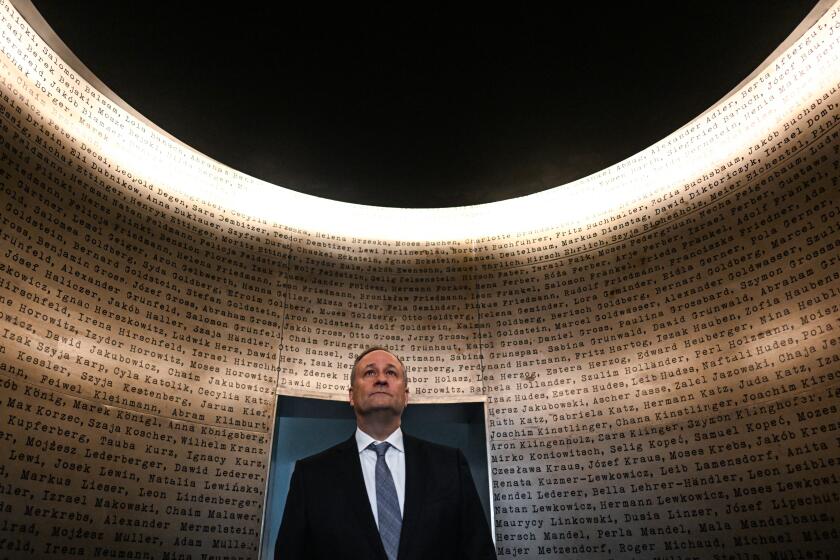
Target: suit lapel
[413,506]
[354,485]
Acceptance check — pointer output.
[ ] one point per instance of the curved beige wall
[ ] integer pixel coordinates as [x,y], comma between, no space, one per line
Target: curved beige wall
[659,342]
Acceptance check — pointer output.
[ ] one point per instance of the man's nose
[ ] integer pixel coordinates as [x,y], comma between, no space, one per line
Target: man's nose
[381,378]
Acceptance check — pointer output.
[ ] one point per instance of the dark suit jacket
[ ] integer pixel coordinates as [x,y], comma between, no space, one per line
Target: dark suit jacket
[328,513]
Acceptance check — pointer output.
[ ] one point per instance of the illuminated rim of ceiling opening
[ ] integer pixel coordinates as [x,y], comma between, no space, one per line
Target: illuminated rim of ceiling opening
[177,170]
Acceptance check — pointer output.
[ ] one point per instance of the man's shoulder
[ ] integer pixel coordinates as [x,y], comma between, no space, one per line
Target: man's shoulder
[429,447]
[329,455]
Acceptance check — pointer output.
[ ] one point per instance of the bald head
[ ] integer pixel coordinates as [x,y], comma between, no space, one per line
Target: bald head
[369,350]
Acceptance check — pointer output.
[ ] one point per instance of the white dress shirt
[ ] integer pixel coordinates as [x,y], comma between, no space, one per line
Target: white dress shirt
[394,458]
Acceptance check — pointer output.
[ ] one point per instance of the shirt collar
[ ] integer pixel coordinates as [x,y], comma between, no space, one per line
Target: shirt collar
[363,440]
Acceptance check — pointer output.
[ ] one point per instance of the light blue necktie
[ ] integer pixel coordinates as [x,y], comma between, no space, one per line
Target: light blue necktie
[387,504]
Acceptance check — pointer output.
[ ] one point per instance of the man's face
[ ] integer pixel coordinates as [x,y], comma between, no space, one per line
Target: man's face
[378,384]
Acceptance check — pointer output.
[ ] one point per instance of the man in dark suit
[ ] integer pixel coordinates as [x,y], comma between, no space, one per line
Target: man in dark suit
[383,494]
